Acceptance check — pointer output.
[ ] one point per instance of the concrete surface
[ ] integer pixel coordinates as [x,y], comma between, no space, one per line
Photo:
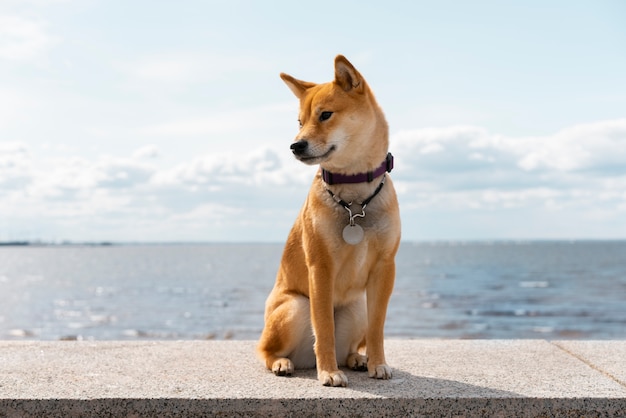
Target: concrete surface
[450,378]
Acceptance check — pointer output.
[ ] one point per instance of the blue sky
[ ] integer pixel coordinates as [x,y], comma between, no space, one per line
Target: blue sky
[167,121]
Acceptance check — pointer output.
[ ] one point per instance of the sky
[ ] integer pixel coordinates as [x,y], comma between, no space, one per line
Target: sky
[160,121]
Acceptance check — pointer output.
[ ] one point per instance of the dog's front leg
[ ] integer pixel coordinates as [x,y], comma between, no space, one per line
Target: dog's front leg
[379,288]
[322,318]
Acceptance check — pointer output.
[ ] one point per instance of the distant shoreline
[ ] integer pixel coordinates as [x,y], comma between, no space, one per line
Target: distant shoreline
[52,244]
[14,243]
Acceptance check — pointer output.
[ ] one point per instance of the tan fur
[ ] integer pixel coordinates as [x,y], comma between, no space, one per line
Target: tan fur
[328,305]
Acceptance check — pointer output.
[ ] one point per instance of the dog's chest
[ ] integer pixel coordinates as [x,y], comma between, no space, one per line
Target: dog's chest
[352,274]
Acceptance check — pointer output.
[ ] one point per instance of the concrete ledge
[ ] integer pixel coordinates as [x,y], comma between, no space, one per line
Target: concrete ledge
[468,378]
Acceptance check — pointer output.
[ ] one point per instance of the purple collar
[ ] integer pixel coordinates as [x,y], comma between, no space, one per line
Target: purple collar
[385,167]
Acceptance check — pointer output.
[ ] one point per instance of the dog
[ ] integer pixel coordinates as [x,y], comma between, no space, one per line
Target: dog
[329,302]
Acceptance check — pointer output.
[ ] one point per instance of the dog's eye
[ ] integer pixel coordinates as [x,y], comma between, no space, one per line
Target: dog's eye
[299,123]
[325,116]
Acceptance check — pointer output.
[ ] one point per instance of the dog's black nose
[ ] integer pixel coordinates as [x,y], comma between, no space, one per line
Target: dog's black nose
[298,148]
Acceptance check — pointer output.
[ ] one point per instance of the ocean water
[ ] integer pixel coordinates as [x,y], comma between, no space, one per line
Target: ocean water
[547,290]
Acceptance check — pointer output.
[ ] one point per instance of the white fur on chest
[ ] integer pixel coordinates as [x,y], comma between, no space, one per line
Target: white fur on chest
[352,274]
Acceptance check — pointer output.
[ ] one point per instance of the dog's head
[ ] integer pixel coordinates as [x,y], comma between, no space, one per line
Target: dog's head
[341,126]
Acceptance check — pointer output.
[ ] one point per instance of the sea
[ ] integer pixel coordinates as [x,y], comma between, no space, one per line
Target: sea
[445,290]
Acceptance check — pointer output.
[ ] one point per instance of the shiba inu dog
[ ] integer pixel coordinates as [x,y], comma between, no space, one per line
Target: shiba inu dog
[328,306]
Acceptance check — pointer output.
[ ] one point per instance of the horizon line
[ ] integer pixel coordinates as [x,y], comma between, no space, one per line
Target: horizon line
[110,243]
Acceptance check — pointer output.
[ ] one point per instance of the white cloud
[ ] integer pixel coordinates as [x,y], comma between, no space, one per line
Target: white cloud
[15,165]
[22,39]
[465,182]
[146,152]
[262,167]
[598,146]
[192,198]
[469,167]
[466,173]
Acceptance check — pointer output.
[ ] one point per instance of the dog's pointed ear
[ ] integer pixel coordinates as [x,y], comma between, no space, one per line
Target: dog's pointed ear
[346,76]
[298,87]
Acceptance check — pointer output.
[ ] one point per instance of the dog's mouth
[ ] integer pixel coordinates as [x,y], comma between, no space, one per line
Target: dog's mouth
[314,159]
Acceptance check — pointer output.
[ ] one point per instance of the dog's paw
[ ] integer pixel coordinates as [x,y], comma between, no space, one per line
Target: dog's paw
[336,378]
[282,367]
[381,371]
[357,362]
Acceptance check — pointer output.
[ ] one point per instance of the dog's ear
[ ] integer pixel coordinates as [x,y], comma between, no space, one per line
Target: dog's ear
[297,86]
[346,76]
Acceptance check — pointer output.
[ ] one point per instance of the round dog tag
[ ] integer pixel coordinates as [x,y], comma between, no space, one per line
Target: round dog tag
[353,234]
